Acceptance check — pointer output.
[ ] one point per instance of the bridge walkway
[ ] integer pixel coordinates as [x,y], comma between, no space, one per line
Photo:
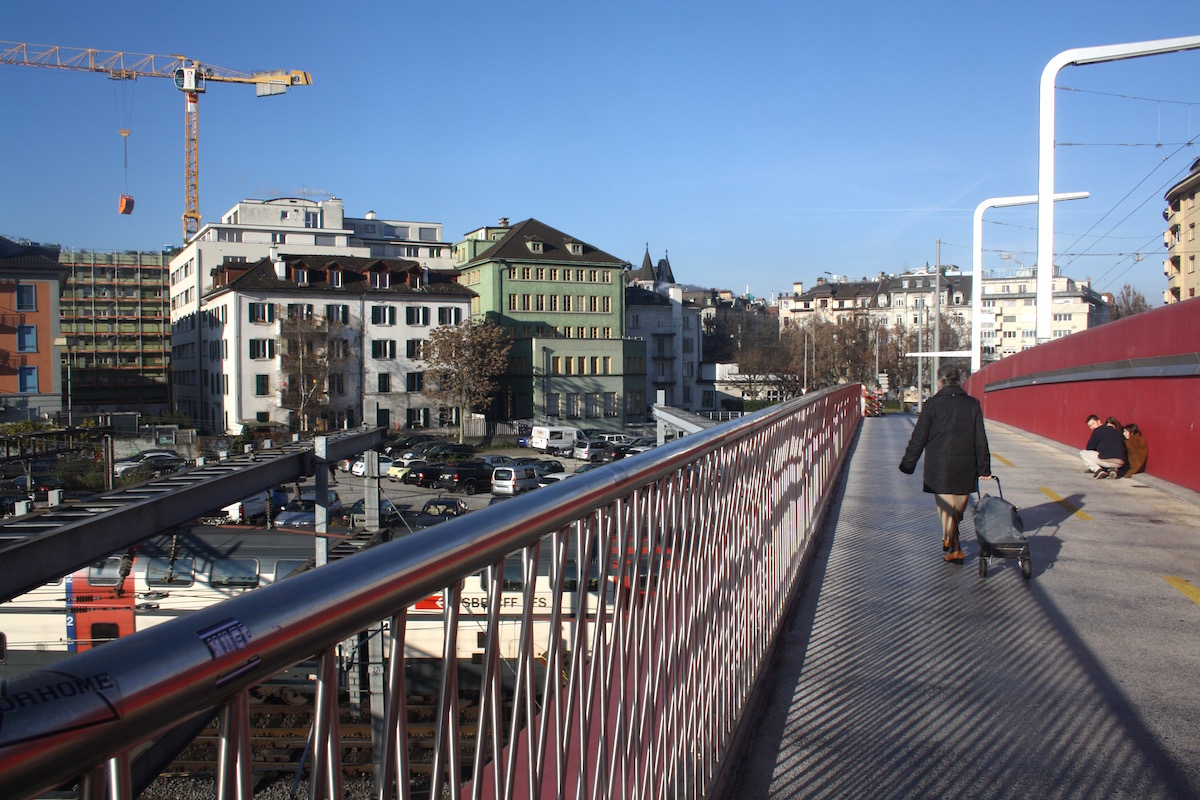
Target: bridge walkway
[902,676]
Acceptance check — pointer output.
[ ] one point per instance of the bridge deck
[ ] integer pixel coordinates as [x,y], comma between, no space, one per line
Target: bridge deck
[901,676]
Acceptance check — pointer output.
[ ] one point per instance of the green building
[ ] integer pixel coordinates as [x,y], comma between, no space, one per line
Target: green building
[563,303]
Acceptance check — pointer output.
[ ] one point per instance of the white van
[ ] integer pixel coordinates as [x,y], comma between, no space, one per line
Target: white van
[559,439]
[513,480]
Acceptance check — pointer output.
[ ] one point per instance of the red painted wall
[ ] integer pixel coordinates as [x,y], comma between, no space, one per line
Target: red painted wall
[1166,409]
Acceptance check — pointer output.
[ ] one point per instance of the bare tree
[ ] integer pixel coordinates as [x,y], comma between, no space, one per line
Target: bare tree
[1129,301]
[465,362]
[314,356]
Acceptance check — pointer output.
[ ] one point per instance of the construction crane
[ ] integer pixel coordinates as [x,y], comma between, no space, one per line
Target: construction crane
[190,78]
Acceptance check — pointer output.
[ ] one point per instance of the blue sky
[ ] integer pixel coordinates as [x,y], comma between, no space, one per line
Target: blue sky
[758,144]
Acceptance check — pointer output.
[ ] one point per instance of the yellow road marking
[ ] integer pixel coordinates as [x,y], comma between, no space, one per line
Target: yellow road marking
[1073,509]
[1189,591]
[1002,460]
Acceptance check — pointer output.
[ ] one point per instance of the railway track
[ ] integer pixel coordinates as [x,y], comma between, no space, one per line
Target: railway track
[280,752]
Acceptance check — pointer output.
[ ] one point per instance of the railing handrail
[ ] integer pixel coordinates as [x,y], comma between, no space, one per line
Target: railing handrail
[102,702]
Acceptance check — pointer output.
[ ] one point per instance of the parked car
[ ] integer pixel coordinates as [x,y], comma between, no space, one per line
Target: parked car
[360,466]
[301,512]
[127,464]
[641,444]
[404,443]
[551,478]
[418,452]
[399,469]
[449,452]
[154,465]
[514,480]
[494,460]
[439,509]
[426,475]
[466,476]
[356,515]
[36,489]
[544,466]
[596,450]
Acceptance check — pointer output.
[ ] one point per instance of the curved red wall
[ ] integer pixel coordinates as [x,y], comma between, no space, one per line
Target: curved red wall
[1165,408]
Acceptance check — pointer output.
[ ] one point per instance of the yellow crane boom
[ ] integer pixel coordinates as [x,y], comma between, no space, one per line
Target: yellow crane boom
[190,77]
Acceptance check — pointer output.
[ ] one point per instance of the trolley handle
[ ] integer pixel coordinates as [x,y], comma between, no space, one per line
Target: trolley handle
[979,492]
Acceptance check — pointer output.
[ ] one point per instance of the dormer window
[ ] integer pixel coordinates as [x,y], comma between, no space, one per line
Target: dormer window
[575,248]
[380,280]
[335,278]
[534,245]
[300,275]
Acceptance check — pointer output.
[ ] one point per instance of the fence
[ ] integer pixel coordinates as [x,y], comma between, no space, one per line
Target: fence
[626,617]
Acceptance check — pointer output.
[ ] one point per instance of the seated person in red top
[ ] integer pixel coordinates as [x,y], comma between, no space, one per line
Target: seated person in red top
[1105,450]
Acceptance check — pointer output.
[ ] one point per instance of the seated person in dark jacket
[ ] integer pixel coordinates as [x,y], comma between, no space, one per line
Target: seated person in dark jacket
[1105,450]
[1135,448]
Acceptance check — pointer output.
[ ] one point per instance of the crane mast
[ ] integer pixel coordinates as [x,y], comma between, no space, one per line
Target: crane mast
[190,77]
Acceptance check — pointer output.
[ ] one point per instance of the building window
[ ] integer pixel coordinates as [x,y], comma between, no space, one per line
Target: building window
[336,383]
[573,405]
[552,405]
[339,314]
[262,385]
[28,379]
[380,280]
[383,348]
[385,383]
[26,297]
[414,381]
[566,302]
[26,338]
[414,348]
[262,348]
[383,315]
[610,403]
[299,311]
[335,278]
[449,315]
[526,273]
[512,302]
[592,410]
[554,302]
[416,315]
[262,312]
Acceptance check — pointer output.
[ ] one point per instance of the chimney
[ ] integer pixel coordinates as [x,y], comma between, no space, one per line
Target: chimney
[504,222]
[370,215]
[280,265]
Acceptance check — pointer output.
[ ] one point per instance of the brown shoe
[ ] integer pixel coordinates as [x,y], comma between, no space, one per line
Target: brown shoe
[956,557]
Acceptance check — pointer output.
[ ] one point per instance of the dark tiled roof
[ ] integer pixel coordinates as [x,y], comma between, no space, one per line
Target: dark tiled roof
[407,277]
[555,247]
[17,256]
[637,296]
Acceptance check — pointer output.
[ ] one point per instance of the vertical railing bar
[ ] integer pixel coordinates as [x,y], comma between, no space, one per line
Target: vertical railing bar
[445,736]
[489,725]
[552,705]
[120,781]
[325,778]
[522,702]
[234,775]
[393,772]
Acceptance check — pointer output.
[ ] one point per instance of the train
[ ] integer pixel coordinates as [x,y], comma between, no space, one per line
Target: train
[171,575]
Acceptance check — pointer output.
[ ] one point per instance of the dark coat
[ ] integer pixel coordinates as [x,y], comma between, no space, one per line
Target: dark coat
[1108,442]
[951,434]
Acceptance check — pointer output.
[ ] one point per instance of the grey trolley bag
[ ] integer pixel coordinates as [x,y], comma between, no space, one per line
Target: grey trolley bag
[1000,532]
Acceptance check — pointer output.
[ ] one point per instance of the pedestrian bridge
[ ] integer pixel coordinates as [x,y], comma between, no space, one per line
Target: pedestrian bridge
[756,610]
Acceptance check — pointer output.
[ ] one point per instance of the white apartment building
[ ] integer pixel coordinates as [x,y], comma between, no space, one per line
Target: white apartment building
[345,332]
[1009,314]
[656,313]
[1008,323]
[275,230]
[1180,238]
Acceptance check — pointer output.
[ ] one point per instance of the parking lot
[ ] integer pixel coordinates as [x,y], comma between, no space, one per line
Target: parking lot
[350,487]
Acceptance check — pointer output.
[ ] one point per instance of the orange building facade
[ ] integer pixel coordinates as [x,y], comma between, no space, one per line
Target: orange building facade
[30,360]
